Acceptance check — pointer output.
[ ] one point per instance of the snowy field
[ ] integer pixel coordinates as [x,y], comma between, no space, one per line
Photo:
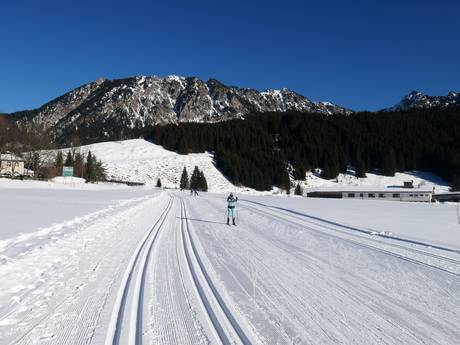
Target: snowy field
[29,205]
[150,266]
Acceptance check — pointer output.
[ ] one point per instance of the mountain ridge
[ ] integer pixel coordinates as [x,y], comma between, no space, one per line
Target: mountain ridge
[417,99]
[121,105]
[121,108]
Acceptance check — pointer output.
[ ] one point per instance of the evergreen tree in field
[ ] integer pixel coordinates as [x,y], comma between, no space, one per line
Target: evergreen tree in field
[184,182]
[88,171]
[195,179]
[298,190]
[99,170]
[58,162]
[159,183]
[198,180]
[203,184]
[69,160]
[93,170]
[78,165]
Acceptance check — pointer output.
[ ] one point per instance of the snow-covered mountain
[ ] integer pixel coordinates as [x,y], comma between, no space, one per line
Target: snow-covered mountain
[417,99]
[109,108]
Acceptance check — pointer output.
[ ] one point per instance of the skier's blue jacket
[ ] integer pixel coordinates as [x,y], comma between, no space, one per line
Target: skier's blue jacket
[231,202]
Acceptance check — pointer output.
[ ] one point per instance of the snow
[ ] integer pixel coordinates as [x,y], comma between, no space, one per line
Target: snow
[103,264]
[68,180]
[432,223]
[138,160]
[421,180]
[54,206]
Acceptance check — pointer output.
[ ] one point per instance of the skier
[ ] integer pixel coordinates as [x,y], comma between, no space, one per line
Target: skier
[231,203]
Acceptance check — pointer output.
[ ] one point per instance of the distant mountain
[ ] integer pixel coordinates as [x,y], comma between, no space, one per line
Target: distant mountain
[109,109]
[417,99]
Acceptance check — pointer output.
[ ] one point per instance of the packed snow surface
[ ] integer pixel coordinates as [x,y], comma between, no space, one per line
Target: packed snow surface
[152,266]
[68,180]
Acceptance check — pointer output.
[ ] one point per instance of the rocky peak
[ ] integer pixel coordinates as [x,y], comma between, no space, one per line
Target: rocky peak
[122,105]
[417,99]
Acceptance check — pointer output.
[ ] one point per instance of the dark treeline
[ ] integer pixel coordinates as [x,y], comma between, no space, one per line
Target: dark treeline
[257,152]
[243,149]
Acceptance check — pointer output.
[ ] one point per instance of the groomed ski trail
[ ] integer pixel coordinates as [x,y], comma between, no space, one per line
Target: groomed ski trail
[315,286]
[128,309]
[168,270]
[218,313]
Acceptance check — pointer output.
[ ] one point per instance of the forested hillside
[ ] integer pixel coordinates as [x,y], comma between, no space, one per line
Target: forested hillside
[259,151]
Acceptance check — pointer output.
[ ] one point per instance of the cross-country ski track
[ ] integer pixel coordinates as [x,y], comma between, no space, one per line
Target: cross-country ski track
[164,268]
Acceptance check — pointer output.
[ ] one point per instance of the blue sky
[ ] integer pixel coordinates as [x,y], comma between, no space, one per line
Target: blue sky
[359,54]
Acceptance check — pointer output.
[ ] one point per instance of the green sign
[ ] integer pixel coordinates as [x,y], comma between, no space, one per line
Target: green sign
[67,171]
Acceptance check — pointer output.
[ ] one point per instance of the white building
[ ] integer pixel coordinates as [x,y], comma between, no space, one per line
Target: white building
[11,165]
[379,193]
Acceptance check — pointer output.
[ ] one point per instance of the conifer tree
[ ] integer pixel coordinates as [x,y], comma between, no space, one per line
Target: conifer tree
[59,161]
[99,170]
[184,182]
[195,179]
[89,171]
[78,165]
[298,190]
[203,184]
[159,183]
[69,159]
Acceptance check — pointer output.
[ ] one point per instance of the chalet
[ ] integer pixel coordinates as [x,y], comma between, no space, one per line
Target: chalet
[11,165]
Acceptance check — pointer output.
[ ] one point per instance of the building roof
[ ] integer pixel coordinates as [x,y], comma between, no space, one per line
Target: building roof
[370,189]
[10,157]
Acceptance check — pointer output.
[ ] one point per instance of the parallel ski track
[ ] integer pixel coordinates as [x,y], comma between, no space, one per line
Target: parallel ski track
[357,243]
[381,238]
[120,306]
[218,313]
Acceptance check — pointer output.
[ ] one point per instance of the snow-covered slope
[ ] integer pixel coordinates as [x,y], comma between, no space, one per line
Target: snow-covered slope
[138,160]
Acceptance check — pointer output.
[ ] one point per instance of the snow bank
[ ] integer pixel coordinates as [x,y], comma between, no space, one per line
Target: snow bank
[68,180]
